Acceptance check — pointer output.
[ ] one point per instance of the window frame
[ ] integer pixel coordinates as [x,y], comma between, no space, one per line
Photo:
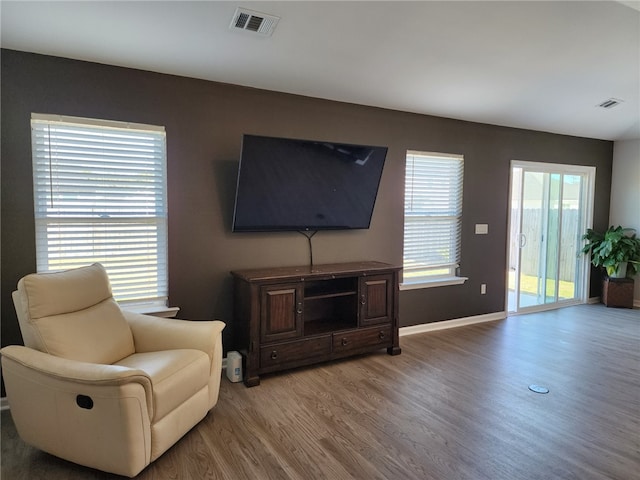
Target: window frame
[451,274]
[142,210]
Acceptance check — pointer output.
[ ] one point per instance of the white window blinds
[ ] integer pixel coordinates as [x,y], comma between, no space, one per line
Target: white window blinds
[100,196]
[432,215]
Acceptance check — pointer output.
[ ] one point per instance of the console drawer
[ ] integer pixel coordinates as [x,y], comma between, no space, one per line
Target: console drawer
[278,354]
[362,338]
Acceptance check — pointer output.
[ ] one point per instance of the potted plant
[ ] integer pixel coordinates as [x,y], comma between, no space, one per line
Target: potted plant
[617,250]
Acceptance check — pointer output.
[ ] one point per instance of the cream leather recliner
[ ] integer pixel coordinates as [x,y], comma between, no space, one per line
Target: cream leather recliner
[100,386]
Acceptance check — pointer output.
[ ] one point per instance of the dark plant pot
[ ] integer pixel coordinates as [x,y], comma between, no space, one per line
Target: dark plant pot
[617,292]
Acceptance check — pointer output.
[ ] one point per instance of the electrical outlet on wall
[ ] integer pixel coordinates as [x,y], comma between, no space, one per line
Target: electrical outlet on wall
[483,289]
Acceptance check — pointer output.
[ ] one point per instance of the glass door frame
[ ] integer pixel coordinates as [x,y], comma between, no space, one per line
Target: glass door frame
[587,202]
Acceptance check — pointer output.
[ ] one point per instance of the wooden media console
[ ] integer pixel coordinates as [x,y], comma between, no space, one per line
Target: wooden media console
[293,316]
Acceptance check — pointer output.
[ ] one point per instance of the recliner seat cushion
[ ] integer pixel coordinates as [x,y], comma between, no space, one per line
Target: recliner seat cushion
[176,375]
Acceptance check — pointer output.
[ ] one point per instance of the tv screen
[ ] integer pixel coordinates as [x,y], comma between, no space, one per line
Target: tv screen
[303,185]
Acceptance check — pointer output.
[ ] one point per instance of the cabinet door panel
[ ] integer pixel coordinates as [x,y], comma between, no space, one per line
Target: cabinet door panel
[376,299]
[280,312]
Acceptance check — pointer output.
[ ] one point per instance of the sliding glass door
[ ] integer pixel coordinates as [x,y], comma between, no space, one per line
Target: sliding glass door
[551,207]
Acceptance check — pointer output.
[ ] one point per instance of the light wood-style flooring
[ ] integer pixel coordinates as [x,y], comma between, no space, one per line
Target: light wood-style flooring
[454,405]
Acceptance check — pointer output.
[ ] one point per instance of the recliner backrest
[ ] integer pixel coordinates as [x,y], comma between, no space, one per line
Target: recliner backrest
[72,314]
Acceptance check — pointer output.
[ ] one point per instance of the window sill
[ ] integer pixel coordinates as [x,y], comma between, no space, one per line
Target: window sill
[436,282]
[155,310]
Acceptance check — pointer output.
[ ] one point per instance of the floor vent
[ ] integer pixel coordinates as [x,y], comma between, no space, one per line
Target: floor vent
[256,22]
[610,103]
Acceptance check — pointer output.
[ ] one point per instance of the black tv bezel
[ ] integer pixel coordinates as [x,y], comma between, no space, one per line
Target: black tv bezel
[306,228]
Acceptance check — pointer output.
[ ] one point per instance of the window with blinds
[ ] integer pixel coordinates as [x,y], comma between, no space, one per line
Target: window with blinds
[100,195]
[432,216]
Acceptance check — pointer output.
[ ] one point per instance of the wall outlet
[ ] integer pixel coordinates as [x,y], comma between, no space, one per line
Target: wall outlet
[483,289]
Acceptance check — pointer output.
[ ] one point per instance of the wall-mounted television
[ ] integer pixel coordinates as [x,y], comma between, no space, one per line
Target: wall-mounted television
[303,185]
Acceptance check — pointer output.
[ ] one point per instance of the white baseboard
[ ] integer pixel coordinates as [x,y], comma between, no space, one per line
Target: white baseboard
[457,322]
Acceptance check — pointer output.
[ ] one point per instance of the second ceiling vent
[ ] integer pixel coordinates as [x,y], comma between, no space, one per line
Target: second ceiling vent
[610,103]
[252,21]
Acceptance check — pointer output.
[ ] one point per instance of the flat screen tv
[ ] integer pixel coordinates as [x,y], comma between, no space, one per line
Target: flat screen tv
[302,185]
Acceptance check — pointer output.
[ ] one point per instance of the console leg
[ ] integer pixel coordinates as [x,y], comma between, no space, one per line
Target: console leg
[394,350]
[252,381]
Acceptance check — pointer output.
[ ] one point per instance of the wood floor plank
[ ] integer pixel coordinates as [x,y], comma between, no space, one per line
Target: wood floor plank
[455,405]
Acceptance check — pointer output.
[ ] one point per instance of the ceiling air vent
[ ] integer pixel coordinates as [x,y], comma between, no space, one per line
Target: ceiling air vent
[254,21]
[610,103]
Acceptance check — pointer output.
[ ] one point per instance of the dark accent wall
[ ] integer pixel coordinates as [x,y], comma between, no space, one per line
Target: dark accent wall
[204,123]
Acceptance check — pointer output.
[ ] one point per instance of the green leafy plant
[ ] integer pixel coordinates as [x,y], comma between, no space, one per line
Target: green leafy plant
[613,248]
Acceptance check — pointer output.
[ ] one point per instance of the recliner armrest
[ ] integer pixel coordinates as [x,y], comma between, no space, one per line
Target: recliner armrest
[151,334]
[78,372]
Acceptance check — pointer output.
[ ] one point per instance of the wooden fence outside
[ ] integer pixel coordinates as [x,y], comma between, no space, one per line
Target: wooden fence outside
[570,241]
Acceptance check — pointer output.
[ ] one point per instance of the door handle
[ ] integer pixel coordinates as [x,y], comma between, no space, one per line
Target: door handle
[523,240]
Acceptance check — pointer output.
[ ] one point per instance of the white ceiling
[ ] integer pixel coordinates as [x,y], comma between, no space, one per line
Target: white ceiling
[536,65]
